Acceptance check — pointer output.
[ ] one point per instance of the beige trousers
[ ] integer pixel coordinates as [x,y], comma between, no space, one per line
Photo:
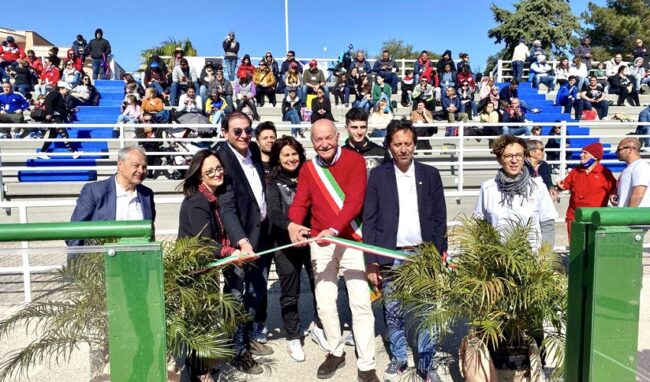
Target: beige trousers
[326,262]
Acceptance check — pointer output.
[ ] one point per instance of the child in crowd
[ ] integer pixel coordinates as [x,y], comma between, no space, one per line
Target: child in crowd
[131,110]
[132,89]
[215,106]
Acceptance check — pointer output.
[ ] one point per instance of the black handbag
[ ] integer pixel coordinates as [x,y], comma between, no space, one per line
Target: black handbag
[38,115]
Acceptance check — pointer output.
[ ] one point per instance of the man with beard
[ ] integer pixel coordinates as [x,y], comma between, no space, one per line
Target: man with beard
[266,134]
[336,214]
[356,123]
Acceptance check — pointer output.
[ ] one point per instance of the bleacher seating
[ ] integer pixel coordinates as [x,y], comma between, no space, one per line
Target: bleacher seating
[112,94]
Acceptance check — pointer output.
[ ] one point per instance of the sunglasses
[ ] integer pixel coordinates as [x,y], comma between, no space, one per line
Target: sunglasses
[238,131]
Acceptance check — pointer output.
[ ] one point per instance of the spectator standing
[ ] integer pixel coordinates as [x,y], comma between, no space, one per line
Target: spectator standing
[537,167]
[231,51]
[583,51]
[634,180]
[519,56]
[57,112]
[79,48]
[387,68]
[98,49]
[591,184]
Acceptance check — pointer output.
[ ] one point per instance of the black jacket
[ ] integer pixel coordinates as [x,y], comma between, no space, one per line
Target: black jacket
[55,106]
[237,204]
[286,106]
[197,218]
[279,196]
[97,47]
[374,154]
[381,209]
[318,105]
[285,66]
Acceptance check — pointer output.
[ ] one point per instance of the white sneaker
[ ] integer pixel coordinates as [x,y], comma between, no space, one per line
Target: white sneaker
[295,350]
[43,156]
[318,335]
[605,119]
[76,154]
[349,340]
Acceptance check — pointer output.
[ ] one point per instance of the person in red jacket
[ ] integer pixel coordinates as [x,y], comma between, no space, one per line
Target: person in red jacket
[48,78]
[333,214]
[11,53]
[245,68]
[35,63]
[590,183]
[76,60]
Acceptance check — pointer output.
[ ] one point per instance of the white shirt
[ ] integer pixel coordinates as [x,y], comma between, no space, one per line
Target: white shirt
[127,204]
[578,72]
[195,107]
[408,228]
[636,173]
[521,52]
[537,208]
[253,178]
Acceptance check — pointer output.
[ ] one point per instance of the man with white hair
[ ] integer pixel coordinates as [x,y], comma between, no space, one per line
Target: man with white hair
[331,189]
[543,73]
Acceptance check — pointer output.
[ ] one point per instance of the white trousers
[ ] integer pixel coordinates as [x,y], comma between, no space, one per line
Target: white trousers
[326,262]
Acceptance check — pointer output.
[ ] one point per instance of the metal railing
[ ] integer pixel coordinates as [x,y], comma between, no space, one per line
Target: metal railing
[503,70]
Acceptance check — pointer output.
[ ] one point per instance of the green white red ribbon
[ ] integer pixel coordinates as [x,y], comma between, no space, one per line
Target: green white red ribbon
[367,248]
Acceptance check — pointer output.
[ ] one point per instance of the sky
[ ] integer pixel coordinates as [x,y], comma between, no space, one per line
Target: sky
[316,29]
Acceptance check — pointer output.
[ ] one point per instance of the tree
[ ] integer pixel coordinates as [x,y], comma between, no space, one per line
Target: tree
[167,48]
[549,21]
[398,50]
[614,27]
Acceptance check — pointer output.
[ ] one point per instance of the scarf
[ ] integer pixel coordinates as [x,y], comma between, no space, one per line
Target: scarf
[521,185]
[212,199]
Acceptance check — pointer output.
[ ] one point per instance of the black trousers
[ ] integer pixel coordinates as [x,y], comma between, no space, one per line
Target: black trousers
[288,265]
[269,92]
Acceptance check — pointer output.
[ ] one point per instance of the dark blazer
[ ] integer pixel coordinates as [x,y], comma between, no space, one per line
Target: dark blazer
[197,218]
[381,209]
[237,203]
[97,202]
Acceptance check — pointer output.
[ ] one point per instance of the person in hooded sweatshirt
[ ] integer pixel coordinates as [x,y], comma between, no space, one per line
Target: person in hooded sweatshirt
[446,59]
[98,49]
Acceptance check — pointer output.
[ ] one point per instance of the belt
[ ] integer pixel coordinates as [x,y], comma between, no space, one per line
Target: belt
[408,248]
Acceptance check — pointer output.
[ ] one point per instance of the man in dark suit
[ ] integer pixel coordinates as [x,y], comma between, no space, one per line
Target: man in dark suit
[399,193]
[243,209]
[120,197]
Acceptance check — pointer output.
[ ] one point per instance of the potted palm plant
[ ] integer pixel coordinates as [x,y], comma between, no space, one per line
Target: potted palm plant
[508,293]
[200,318]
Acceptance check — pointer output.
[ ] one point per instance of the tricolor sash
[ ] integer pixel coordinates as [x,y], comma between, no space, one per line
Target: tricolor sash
[332,192]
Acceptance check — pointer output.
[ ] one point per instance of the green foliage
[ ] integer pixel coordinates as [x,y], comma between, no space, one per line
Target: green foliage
[549,21]
[398,50]
[614,27]
[199,316]
[503,288]
[167,48]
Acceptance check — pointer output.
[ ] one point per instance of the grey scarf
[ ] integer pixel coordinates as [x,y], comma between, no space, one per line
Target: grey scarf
[520,185]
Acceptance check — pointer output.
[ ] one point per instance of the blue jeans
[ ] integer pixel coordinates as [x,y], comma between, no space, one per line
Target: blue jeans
[378,133]
[126,119]
[463,108]
[602,108]
[293,116]
[396,334]
[518,130]
[229,66]
[203,92]
[517,69]
[25,90]
[549,81]
[97,69]
[158,87]
[363,104]
[174,92]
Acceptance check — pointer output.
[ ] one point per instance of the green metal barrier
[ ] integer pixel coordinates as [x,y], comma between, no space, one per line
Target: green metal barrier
[134,291]
[605,274]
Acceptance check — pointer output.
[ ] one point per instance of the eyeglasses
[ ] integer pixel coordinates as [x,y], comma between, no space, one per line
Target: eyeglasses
[238,131]
[510,157]
[213,171]
[623,148]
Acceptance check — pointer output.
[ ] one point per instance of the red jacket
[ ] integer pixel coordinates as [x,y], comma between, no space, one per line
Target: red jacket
[350,173]
[12,52]
[244,70]
[37,65]
[51,75]
[76,61]
[465,77]
[588,189]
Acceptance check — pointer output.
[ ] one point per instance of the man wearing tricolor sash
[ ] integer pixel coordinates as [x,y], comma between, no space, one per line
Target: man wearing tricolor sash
[404,207]
[331,188]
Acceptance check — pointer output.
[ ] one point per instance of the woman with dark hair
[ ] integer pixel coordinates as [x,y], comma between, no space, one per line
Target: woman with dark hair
[128,79]
[287,156]
[514,196]
[623,85]
[199,216]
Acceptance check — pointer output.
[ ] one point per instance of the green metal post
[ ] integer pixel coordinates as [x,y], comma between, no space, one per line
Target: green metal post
[76,230]
[604,291]
[136,320]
